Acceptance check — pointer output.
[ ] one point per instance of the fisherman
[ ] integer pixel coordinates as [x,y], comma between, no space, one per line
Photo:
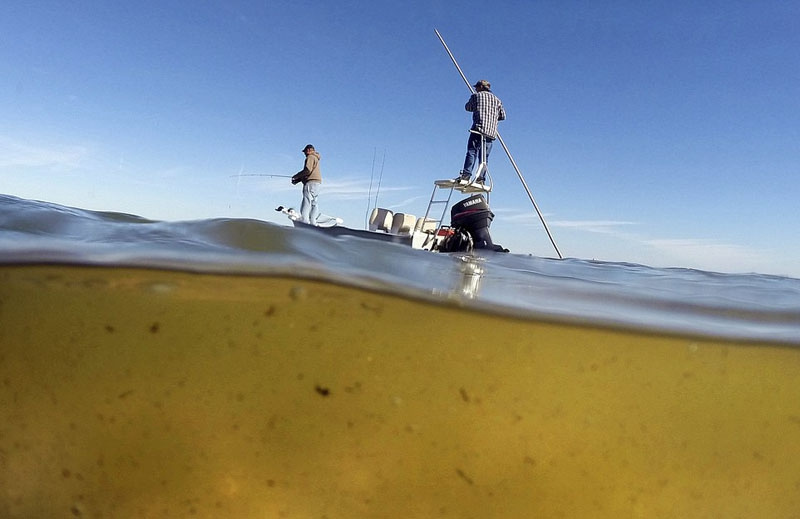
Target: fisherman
[487,110]
[311,178]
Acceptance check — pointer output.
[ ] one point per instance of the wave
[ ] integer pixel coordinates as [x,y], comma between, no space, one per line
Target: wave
[734,306]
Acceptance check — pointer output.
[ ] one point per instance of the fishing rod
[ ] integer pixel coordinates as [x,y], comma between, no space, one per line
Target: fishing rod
[378,191]
[499,138]
[260,175]
[369,195]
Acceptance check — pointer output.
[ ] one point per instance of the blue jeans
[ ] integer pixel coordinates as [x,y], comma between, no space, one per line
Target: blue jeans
[474,151]
[308,209]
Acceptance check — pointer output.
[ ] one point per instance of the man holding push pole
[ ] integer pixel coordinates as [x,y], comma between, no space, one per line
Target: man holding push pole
[487,110]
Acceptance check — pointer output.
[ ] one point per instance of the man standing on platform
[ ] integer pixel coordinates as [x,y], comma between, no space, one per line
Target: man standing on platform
[487,110]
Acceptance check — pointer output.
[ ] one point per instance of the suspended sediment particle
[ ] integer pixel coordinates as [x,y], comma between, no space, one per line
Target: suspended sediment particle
[464,476]
[298,293]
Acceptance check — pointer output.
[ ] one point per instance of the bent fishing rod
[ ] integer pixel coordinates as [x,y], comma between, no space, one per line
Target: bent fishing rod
[499,138]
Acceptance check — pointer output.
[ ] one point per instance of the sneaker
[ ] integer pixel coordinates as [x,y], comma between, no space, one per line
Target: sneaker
[463,177]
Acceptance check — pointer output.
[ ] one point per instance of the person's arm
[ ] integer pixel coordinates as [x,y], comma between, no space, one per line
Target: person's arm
[299,177]
[311,163]
[502,115]
[305,169]
[472,103]
[304,173]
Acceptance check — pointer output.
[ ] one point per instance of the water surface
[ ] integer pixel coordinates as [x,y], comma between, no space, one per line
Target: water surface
[735,306]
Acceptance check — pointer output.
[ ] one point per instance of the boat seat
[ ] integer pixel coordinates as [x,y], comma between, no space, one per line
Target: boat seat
[426,225]
[381,220]
[403,224]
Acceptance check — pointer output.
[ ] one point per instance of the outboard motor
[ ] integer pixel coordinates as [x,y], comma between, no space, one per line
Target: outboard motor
[473,216]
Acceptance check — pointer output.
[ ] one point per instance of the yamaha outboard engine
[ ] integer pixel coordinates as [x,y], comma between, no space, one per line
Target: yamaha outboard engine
[473,216]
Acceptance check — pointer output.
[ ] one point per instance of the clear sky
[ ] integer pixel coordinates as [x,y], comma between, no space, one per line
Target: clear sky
[662,133]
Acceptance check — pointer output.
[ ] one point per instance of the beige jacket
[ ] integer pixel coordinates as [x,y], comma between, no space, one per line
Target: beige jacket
[310,169]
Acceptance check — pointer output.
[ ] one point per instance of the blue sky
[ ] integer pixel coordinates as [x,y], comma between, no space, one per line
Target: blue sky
[661,133]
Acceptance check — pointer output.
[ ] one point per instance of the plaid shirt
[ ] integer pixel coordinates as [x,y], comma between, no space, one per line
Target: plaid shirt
[486,110]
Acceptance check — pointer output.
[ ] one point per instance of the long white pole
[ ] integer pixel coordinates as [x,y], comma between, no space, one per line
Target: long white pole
[499,138]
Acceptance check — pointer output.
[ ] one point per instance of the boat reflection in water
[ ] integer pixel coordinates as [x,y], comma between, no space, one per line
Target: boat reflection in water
[471,270]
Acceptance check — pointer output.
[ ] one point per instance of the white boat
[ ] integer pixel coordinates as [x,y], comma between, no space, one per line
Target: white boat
[468,227]
[470,218]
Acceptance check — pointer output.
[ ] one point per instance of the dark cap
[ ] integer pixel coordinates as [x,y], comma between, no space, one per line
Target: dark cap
[482,84]
[308,147]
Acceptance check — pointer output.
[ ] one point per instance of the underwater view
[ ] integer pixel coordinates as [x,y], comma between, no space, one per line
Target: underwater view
[237,368]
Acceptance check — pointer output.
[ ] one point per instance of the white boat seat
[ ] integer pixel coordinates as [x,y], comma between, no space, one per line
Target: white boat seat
[403,223]
[381,220]
[426,225]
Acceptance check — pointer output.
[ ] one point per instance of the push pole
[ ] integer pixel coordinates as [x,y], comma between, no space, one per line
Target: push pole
[499,138]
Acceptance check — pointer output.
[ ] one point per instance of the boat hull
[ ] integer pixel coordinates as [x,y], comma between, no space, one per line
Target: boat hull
[339,230]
